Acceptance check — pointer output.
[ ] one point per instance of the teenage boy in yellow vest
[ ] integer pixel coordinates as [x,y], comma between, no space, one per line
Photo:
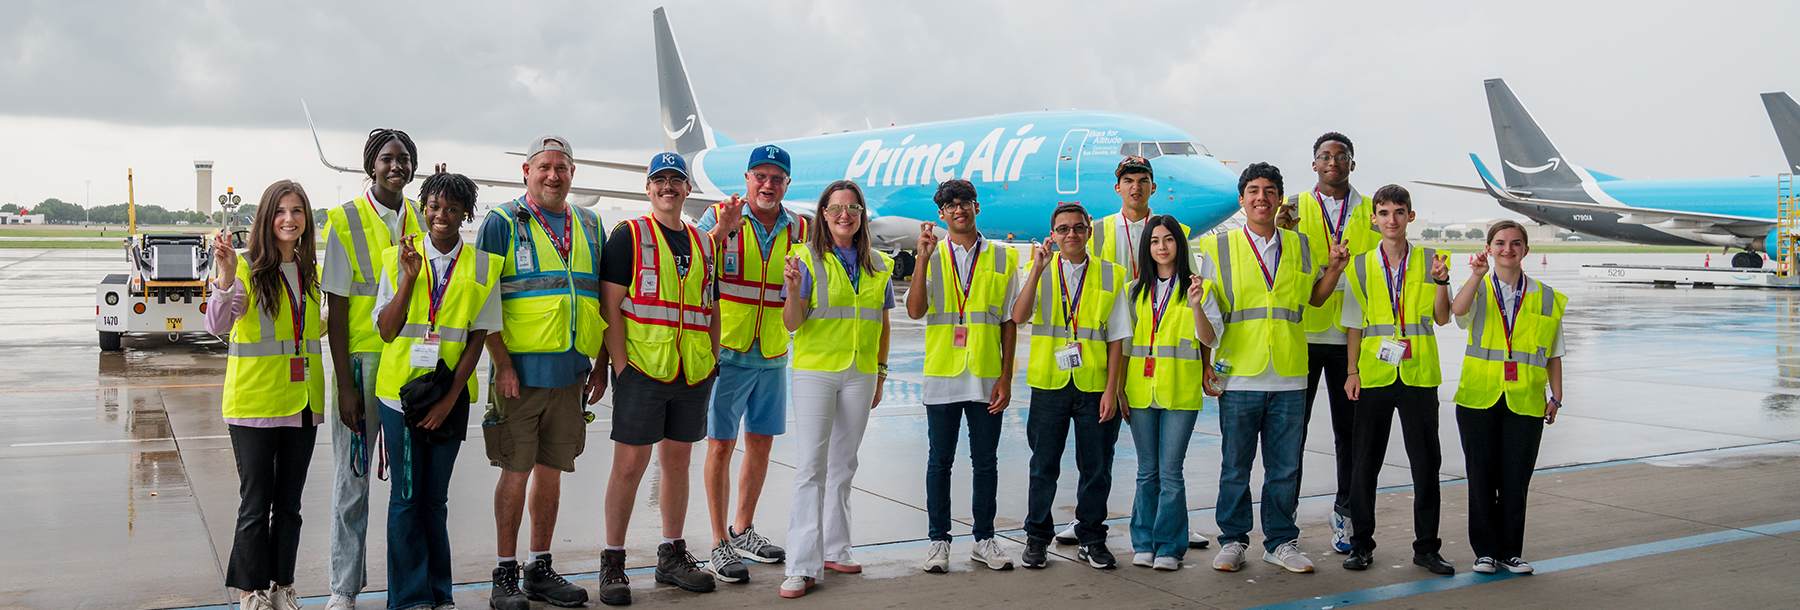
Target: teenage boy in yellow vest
[663,335]
[965,293]
[1332,213]
[356,233]
[752,384]
[1073,373]
[1399,295]
[1265,278]
[546,362]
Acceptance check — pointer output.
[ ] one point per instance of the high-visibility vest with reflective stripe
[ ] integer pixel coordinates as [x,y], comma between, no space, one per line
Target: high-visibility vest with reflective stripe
[667,329]
[844,325]
[1176,381]
[1484,359]
[553,306]
[1359,231]
[1369,283]
[475,276]
[1050,326]
[992,271]
[1107,234]
[362,234]
[258,376]
[1261,323]
[750,288]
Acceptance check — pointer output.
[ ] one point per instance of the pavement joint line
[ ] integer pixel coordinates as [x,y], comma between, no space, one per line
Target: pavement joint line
[120,387]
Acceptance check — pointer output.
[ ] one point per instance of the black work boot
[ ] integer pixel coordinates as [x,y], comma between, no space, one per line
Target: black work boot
[543,584]
[506,594]
[615,587]
[676,566]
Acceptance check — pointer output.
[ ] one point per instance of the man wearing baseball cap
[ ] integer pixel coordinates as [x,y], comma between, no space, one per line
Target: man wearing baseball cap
[752,385]
[663,336]
[547,362]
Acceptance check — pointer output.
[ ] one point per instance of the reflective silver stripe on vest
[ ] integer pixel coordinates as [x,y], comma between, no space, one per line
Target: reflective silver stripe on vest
[941,296]
[1422,329]
[481,267]
[1225,278]
[1262,313]
[1478,321]
[1361,263]
[1305,254]
[282,347]
[821,283]
[360,243]
[866,314]
[664,314]
[1062,332]
[741,291]
[1538,359]
[1186,350]
[1548,296]
[542,282]
[446,333]
[646,242]
[990,317]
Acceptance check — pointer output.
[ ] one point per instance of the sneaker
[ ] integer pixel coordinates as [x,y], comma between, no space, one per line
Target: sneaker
[845,566]
[1435,563]
[284,598]
[796,586]
[340,601]
[1230,557]
[615,587]
[676,566]
[256,600]
[726,565]
[1097,556]
[1360,560]
[938,560]
[989,552]
[1288,556]
[445,606]
[506,594]
[1197,540]
[1067,535]
[543,584]
[1036,554]
[1166,564]
[1517,565]
[1484,565]
[1143,560]
[754,547]
[1340,533]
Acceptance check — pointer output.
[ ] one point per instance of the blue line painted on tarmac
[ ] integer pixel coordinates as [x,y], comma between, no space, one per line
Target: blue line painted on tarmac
[1558,564]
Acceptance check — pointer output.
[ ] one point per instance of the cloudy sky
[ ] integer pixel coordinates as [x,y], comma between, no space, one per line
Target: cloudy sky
[1638,90]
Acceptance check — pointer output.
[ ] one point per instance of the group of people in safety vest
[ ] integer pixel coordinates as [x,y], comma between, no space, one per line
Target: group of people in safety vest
[710,330]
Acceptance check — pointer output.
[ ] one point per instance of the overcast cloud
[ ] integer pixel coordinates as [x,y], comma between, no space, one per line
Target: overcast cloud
[1634,89]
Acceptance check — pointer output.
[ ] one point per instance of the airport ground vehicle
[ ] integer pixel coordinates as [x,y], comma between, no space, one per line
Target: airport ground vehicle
[165,289]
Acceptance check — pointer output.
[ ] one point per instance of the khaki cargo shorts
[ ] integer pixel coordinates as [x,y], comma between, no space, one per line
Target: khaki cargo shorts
[542,426]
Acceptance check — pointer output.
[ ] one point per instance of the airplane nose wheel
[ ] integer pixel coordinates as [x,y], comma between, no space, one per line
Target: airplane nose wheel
[1747,260]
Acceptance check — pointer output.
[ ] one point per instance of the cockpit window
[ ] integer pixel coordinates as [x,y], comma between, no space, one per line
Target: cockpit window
[1177,148]
[1128,149]
[1152,150]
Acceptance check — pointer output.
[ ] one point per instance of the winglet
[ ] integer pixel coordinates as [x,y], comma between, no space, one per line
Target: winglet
[321,147]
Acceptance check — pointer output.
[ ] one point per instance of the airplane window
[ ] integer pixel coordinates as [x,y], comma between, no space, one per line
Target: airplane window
[1128,149]
[1177,148]
[1149,151]
[1201,148]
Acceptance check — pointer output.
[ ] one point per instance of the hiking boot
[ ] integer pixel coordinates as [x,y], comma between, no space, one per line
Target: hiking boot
[726,565]
[506,594]
[615,587]
[754,547]
[1036,554]
[543,584]
[676,566]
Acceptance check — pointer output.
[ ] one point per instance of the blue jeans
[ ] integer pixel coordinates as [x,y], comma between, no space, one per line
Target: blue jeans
[1159,519]
[418,537]
[1047,431]
[1278,421]
[350,492]
[944,425]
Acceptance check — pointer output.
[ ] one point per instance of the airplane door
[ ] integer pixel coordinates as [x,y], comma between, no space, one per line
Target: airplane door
[1068,161]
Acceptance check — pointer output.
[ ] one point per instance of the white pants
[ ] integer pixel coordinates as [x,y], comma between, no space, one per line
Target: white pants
[831,410]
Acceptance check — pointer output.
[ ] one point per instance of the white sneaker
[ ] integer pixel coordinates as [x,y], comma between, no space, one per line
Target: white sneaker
[340,601]
[938,560]
[1167,564]
[256,600]
[1484,565]
[796,586]
[1197,540]
[1516,565]
[989,552]
[1230,557]
[846,565]
[1067,535]
[1340,533]
[284,598]
[1142,560]
[1288,556]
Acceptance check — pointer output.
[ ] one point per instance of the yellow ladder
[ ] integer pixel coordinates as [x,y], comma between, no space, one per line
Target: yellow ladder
[1787,226]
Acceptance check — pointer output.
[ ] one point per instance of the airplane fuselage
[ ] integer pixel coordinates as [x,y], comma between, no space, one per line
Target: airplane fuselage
[1748,196]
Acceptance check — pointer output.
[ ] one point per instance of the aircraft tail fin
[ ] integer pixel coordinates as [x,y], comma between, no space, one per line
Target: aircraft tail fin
[1527,158]
[685,130]
[1785,115]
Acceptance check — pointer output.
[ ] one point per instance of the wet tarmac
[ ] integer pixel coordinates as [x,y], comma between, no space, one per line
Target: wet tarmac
[1682,426]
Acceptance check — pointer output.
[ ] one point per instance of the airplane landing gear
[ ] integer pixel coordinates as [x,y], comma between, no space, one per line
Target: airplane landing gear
[1747,260]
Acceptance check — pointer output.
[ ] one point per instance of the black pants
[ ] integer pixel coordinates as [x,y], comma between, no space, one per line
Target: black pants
[1334,362]
[1375,410]
[271,465]
[1047,432]
[1501,448]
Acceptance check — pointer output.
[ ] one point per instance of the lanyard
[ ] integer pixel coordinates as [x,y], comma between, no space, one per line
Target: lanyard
[1268,276]
[296,305]
[439,286]
[850,270]
[568,235]
[1070,311]
[962,292]
[405,210]
[1396,288]
[1158,304]
[1343,221]
[1507,323]
[1130,244]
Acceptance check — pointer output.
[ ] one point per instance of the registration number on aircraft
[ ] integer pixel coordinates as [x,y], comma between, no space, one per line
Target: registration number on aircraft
[1582,217]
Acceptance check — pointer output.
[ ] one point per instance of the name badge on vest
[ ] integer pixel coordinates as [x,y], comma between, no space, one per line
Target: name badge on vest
[647,282]
[960,339]
[298,372]
[731,264]
[1068,357]
[1512,371]
[1392,351]
[425,353]
[523,260]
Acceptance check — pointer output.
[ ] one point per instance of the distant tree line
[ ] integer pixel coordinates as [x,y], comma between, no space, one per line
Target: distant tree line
[57,211]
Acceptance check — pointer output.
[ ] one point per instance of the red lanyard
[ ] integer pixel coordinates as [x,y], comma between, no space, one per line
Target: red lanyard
[1130,245]
[1507,323]
[296,305]
[1396,288]
[568,235]
[962,293]
[1268,276]
[1158,304]
[1070,311]
[1337,234]
[439,286]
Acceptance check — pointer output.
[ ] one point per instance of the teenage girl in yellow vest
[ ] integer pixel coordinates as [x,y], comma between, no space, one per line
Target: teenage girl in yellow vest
[268,299]
[838,294]
[1515,351]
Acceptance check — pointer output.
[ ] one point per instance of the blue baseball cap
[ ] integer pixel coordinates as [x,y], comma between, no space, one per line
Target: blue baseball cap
[667,160]
[769,154]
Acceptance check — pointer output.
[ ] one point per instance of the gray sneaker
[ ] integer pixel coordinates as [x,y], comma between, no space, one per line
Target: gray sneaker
[725,564]
[284,598]
[1288,556]
[256,600]
[1230,557]
[989,553]
[754,547]
[937,560]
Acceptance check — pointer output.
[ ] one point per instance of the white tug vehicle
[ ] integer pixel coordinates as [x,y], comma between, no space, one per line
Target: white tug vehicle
[166,288]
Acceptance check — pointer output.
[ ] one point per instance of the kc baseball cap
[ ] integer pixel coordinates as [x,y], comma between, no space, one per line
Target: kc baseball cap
[549,142]
[667,160]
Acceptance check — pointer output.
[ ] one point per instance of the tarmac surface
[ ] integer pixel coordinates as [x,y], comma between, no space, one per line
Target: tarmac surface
[1671,479]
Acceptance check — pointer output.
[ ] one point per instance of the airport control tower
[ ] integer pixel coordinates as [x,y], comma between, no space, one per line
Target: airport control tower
[203,187]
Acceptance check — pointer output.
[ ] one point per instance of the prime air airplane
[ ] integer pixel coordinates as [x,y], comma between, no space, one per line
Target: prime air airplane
[1022,164]
[1541,183]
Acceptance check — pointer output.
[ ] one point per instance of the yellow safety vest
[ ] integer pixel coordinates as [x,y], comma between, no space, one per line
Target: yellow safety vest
[1178,374]
[1484,360]
[1261,323]
[1050,331]
[1369,283]
[475,275]
[361,233]
[1107,234]
[550,306]
[750,288]
[1359,230]
[258,374]
[979,314]
[667,318]
[844,324]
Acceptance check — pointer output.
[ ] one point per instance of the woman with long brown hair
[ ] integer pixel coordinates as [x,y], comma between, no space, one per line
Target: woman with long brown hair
[268,300]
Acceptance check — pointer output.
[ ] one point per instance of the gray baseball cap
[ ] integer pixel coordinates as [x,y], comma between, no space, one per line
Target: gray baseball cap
[549,142]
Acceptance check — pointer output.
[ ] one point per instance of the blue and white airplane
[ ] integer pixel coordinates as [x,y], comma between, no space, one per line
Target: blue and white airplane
[1022,164]
[1541,183]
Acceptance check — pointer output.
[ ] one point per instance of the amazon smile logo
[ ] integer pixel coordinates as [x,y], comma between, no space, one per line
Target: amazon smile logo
[676,135]
[1554,162]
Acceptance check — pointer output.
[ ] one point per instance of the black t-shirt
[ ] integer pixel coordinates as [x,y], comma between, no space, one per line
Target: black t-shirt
[615,260]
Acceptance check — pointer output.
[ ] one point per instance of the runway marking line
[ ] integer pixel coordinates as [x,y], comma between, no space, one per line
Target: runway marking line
[116,387]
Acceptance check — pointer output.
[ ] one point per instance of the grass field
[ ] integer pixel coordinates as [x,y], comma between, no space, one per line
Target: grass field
[1577,247]
[68,231]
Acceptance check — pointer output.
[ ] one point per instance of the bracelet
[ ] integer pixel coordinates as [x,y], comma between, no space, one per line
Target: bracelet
[1441,283]
[881,368]
[1556,402]
[1353,373]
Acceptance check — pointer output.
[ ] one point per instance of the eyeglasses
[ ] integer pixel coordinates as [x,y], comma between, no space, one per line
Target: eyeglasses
[840,208]
[767,178]
[957,205]
[668,180]
[1080,229]
[1328,158]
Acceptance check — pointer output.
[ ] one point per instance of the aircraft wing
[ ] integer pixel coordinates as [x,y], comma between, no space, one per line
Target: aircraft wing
[1701,222]
[629,167]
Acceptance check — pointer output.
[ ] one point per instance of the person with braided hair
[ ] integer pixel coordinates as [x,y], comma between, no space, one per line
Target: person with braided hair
[356,233]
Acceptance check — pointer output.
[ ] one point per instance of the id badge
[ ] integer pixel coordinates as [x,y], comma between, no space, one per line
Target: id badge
[1149,367]
[298,372]
[1068,357]
[523,260]
[960,340]
[731,265]
[1512,371]
[1392,352]
[647,282]
[425,353]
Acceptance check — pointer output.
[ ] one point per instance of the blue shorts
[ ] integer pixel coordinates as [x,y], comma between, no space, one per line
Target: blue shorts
[757,397]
